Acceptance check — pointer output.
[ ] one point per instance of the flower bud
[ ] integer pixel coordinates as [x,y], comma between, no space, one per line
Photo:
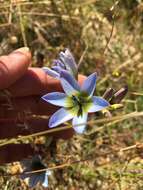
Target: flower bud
[119,95]
[108,94]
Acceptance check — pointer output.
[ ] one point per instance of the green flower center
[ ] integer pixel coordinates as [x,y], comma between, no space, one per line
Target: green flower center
[79,103]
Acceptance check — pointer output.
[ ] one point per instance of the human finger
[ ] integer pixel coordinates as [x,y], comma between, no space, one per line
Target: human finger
[36,82]
[28,104]
[11,128]
[15,152]
[13,66]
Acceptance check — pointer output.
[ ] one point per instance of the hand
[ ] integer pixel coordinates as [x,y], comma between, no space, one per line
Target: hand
[21,88]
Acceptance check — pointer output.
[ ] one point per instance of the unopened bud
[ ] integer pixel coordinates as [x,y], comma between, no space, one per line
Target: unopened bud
[119,95]
[108,94]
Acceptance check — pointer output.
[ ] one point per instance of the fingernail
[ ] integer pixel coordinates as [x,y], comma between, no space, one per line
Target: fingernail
[23,50]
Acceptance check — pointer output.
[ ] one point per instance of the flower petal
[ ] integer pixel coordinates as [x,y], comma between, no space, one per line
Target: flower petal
[80,120]
[55,98]
[59,117]
[48,172]
[57,69]
[51,72]
[45,181]
[89,84]
[58,63]
[69,83]
[34,179]
[69,61]
[98,104]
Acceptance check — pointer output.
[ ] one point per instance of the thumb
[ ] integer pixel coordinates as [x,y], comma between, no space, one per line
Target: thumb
[13,66]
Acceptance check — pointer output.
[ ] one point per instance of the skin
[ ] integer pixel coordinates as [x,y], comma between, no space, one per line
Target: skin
[25,85]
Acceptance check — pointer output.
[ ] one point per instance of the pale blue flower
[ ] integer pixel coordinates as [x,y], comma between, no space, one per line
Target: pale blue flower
[35,164]
[76,102]
[66,62]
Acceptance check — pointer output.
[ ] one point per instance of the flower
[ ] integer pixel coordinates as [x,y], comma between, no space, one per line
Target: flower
[32,165]
[76,102]
[66,62]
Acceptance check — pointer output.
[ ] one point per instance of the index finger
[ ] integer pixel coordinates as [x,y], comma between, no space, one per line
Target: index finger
[37,82]
[13,66]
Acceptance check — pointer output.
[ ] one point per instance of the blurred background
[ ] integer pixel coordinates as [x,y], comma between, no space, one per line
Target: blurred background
[105,36]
